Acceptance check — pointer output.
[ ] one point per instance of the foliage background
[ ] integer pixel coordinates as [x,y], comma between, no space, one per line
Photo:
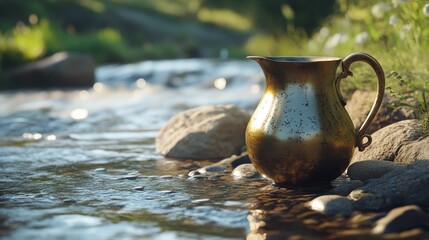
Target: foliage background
[131,30]
[396,32]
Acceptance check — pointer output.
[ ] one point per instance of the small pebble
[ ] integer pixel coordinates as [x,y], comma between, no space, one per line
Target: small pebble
[129,177]
[233,204]
[203,200]
[236,160]
[213,168]
[139,188]
[166,191]
[245,171]
[166,176]
[331,205]
[370,169]
[402,219]
[194,173]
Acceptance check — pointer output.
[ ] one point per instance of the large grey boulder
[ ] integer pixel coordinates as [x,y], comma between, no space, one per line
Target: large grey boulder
[61,70]
[387,141]
[360,104]
[208,132]
[402,186]
[417,150]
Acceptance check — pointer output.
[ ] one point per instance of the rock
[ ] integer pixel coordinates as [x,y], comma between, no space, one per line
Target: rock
[360,104]
[129,177]
[139,188]
[213,168]
[61,70]
[68,200]
[387,141]
[227,164]
[331,205]
[369,169]
[245,171]
[236,160]
[346,188]
[366,220]
[208,132]
[402,219]
[402,186]
[417,150]
[207,171]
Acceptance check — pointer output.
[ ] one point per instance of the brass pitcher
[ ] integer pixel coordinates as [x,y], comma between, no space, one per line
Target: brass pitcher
[300,133]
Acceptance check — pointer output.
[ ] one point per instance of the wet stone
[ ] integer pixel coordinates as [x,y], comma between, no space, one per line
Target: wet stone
[402,186]
[139,188]
[236,160]
[166,191]
[166,176]
[331,205]
[207,171]
[206,132]
[202,200]
[370,169]
[213,168]
[245,171]
[129,177]
[402,219]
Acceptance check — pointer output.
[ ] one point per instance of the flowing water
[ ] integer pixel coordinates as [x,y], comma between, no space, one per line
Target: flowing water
[81,164]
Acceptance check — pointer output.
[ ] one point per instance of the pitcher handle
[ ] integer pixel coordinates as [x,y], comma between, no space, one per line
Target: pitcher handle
[354,57]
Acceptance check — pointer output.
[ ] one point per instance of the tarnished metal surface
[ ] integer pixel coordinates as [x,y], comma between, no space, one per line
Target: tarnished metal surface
[300,132]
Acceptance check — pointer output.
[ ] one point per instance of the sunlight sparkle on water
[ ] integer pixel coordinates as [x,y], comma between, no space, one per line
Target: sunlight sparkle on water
[141,83]
[51,138]
[79,114]
[220,83]
[35,136]
[98,87]
[83,94]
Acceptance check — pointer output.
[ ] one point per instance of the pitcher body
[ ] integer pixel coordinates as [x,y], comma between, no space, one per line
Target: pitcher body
[300,133]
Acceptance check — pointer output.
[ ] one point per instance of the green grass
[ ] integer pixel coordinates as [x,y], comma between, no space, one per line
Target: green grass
[397,34]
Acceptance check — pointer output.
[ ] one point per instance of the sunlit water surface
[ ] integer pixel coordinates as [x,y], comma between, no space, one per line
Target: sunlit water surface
[81,164]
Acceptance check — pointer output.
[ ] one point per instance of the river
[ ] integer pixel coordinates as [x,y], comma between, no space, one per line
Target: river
[81,164]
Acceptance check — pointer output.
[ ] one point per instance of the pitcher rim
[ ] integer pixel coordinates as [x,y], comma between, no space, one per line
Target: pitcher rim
[296,59]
